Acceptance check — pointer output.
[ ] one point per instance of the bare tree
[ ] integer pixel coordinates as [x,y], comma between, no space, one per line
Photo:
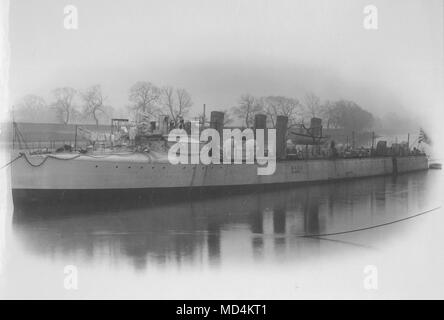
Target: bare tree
[94,103]
[168,101]
[313,104]
[144,98]
[247,108]
[228,119]
[175,102]
[63,104]
[30,108]
[184,102]
[278,105]
[329,114]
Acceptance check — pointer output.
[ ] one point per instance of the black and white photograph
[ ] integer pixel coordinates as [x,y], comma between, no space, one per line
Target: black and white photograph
[221,150]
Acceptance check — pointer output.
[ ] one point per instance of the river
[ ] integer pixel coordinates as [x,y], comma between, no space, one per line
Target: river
[274,244]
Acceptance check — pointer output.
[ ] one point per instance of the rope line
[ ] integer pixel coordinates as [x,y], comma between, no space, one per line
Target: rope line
[370,227]
[65,159]
[10,162]
[35,165]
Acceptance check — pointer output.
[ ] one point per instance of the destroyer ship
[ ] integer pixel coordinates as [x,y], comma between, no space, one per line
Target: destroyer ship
[143,167]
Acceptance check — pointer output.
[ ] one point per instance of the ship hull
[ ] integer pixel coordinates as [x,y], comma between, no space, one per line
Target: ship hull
[84,178]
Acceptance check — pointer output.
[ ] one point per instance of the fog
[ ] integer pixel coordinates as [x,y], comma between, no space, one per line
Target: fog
[218,50]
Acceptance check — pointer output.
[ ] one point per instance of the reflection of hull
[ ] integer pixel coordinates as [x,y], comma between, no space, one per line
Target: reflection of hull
[218,227]
[435,166]
[84,174]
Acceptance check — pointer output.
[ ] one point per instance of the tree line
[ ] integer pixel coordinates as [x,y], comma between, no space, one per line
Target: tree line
[345,114]
[70,105]
[148,101]
[67,105]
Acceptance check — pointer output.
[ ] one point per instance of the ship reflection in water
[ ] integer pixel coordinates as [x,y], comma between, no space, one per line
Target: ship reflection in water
[222,231]
[190,231]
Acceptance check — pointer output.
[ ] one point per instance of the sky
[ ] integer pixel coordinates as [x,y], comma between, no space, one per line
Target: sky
[218,50]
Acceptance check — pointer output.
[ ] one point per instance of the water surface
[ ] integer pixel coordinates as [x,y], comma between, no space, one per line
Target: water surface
[262,244]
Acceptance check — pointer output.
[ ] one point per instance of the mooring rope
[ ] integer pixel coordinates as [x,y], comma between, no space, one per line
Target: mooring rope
[35,165]
[67,159]
[23,155]
[10,162]
[370,227]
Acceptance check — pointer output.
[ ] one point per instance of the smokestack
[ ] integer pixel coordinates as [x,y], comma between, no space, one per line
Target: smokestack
[260,121]
[316,127]
[217,121]
[281,134]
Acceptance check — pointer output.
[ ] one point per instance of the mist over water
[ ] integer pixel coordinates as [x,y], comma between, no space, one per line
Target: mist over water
[190,248]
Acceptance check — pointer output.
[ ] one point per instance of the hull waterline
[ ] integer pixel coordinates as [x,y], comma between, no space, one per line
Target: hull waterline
[93,178]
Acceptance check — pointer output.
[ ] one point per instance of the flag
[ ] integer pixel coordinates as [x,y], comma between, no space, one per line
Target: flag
[423,137]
